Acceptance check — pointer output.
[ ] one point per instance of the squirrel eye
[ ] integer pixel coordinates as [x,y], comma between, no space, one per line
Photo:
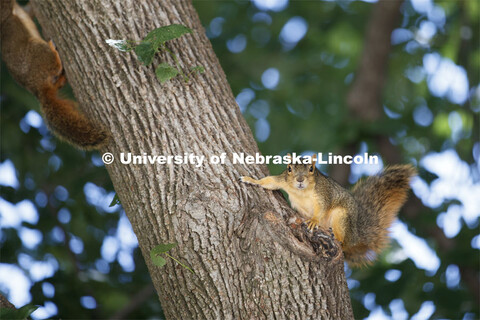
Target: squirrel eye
[311,168]
[289,169]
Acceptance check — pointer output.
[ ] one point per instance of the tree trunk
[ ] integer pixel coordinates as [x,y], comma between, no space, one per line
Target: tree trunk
[248,264]
[364,99]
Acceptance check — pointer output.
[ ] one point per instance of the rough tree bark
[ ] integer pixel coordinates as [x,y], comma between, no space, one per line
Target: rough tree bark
[4,303]
[247,262]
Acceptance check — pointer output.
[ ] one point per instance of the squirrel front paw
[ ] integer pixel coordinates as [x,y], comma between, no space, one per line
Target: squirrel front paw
[247,180]
[312,223]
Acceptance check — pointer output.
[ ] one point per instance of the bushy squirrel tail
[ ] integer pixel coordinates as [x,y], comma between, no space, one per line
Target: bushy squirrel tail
[379,197]
[68,123]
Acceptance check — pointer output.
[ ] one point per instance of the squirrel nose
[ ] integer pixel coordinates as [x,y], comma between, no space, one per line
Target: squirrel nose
[300,179]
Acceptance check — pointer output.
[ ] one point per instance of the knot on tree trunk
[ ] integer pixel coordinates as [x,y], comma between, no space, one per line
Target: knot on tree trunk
[319,246]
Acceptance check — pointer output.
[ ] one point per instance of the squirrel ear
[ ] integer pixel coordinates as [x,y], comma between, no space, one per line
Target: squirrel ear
[314,157]
[289,155]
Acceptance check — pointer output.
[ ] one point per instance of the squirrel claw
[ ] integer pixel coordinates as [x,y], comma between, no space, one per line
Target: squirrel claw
[245,179]
[312,224]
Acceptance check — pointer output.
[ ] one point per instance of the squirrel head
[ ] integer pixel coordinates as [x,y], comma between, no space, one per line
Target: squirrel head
[301,176]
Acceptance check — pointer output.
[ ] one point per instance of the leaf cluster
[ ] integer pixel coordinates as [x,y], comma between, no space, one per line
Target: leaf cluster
[155,42]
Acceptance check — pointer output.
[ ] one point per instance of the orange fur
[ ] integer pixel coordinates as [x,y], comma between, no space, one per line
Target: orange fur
[379,198]
[359,219]
[336,221]
[36,65]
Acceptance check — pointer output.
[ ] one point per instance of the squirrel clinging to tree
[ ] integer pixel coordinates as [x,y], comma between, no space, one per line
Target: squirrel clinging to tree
[36,65]
[359,219]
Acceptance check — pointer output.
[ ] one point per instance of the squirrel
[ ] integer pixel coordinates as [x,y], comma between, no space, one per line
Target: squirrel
[359,219]
[36,65]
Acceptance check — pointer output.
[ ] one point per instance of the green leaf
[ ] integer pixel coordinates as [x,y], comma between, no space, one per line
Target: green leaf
[165,72]
[21,313]
[161,35]
[158,260]
[162,248]
[199,69]
[115,201]
[145,52]
[156,253]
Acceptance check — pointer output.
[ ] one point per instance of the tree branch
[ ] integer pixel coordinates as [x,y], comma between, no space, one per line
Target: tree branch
[364,98]
[135,302]
[365,95]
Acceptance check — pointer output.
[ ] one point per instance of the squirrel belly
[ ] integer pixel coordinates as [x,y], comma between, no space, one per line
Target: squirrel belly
[359,219]
[36,65]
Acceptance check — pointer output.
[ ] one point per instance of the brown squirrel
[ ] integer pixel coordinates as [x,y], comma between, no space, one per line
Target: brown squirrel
[359,219]
[36,65]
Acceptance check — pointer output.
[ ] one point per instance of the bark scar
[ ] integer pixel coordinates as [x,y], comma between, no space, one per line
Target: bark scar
[271,217]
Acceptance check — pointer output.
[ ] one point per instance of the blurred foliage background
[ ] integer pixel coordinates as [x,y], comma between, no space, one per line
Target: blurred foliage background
[291,66]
